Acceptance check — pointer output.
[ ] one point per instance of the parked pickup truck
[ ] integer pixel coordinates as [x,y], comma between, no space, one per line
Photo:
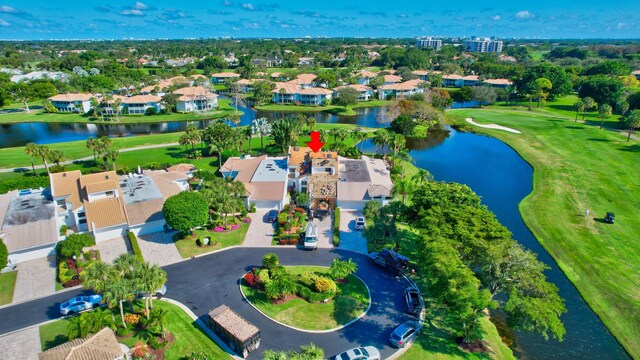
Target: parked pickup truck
[413,300]
[390,260]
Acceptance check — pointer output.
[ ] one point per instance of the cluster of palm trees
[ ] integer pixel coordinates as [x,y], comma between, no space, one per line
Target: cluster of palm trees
[102,147]
[191,137]
[46,154]
[122,281]
[223,197]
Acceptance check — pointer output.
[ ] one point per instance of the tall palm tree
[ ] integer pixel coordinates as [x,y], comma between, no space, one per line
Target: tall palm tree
[422,176]
[97,276]
[32,150]
[381,138]
[93,144]
[262,128]
[579,107]
[334,132]
[402,187]
[150,278]
[94,106]
[118,291]
[633,122]
[56,157]
[404,157]
[116,108]
[604,111]
[248,133]
[112,156]
[43,151]
[311,123]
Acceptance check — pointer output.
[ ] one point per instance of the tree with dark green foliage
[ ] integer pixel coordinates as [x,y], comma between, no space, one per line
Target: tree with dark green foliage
[465,94]
[346,96]
[306,352]
[560,80]
[404,125]
[603,89]
[609,68]
[185,211]
[73,245]
[218,137]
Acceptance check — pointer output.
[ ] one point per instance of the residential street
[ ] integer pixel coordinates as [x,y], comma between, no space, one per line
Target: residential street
[209,281]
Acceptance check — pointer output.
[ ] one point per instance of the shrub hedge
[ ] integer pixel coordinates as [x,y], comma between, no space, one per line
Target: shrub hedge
[134,246]
[4,255]
[25,182]
[336,227]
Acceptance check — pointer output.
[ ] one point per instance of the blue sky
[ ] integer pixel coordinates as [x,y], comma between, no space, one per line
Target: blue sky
[116,19]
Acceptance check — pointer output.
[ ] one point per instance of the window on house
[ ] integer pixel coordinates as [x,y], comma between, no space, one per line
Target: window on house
[109,193]
[81,214]
[82,221]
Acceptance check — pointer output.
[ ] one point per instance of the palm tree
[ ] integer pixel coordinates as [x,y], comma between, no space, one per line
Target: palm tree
[604,111]
[402,187]
[404,157]
[262,128]
[56,156]
[422,176]
[150,278]
[119,290]
[97,276]
[32,150]
[311,123]
[632,121]
[94,106]
[282,92]
[116,108]
[334,132]
[43,151]
[589,103]
[248,133]
[79,326]
[112,156]
[93,144]
[579,107]
[381,138]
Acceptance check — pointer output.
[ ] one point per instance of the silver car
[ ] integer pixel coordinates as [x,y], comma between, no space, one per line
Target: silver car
[158,293]
[360,224]
[405,333]
[359,353]
[80,303]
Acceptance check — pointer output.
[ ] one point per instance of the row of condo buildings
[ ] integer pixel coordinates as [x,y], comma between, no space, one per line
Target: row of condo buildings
[481,45]
[103,204]
[330,180]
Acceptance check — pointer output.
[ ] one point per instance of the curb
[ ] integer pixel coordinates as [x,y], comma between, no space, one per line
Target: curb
[30,327]
[312,331]
[41,297]
[401,351]
[204,327]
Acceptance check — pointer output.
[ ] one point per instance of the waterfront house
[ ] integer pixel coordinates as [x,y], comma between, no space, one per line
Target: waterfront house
[400,90]
[365,93]
[221,78]
[138,105]
[78,103]
[195,98]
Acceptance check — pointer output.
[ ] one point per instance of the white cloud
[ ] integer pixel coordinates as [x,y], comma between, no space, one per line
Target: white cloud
[622,26]
[496,17]
[252,25]
[248,6]
[7,9]
[140,6]
[132,12]
[4,23]
[227,3]
[524,14]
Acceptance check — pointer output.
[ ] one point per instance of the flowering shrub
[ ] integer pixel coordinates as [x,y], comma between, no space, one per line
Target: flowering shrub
[235,227]
[247,220]
[132,319]
[140,351]
[250,278]
[218,229]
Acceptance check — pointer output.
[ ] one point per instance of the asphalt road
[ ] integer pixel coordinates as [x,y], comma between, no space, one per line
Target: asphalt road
[209,281]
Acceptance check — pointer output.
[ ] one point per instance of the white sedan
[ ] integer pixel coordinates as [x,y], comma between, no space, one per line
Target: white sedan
[80,303]
[359,353]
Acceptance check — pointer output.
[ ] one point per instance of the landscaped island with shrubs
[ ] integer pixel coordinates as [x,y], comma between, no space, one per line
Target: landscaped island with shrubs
[292,222]
[307,297]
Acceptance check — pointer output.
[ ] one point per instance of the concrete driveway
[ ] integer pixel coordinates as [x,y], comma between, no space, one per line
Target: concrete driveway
[350,238]
[325,232]
[158,248]
[260,233]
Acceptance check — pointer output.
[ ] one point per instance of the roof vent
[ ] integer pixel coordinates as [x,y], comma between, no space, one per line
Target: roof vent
[64,174]
[296,148]
[106,177]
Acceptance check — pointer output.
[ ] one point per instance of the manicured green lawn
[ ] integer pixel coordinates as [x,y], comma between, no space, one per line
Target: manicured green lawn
[188,248]
[352,300]
[578,167]
[53,334]
[189,336]
[39,116]
[7,285]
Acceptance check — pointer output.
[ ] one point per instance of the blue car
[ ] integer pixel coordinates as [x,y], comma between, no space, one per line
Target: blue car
[80,303]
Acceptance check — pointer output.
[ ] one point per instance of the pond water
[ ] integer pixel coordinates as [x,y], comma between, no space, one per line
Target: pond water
[45,133]
[502,178]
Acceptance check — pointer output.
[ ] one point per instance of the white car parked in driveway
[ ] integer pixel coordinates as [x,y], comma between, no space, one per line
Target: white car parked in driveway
[360,353]
[360,224]
[80,303]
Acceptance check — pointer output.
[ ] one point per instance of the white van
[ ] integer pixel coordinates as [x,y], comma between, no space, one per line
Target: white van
[311,236]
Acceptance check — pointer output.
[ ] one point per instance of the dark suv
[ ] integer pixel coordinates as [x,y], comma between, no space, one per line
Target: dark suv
[272,216]
[390,260]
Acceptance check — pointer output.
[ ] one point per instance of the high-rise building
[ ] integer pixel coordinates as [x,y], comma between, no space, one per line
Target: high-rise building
[483,45]
[429,43]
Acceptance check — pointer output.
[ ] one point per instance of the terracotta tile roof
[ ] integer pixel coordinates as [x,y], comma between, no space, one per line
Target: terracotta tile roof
[165,181]
[244,82]
[66,184]
[420,72]
[267,190]
[357,87]
[304,153]
[407,85]
[71,97]
[183,168]
[315,91]
[392,78]
[288,87]
[308,78]
[105,176]
[194,93]
[198,76]
[101,186]
[276,74]
[101,346]
[105,212]
[144,211]
[367,73]
[114,98]
[142,99]
[225,75]
[460,77]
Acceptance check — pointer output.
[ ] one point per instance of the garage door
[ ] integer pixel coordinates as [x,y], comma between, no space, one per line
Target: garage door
[263,204]
[148,228]
[109,233]
[351,205]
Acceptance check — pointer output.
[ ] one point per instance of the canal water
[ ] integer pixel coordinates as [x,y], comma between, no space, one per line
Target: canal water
[502,178]
[490,167]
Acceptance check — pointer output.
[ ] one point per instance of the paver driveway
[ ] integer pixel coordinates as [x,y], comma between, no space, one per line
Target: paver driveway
[350,238]
[260,233]
[158,248]
[112,248]
[23,344]
[35,278]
